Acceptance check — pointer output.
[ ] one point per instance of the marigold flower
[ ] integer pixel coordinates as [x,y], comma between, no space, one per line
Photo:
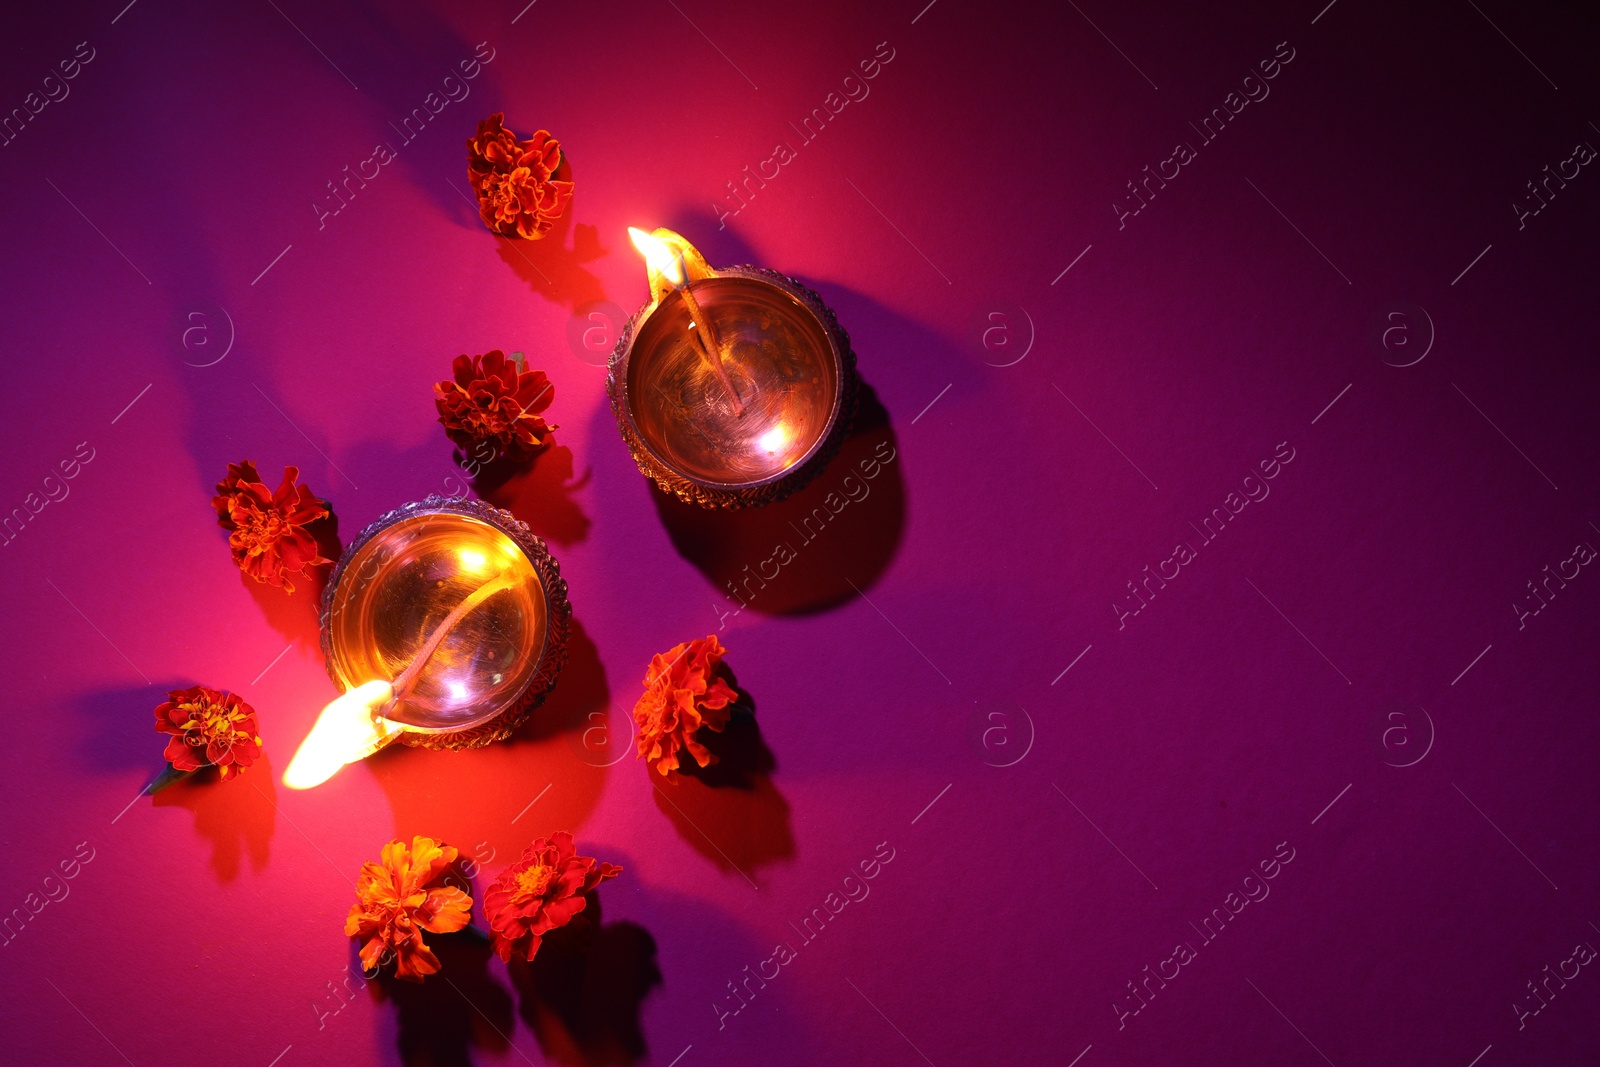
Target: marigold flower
[209,728]
[493,401]
[266,528]
[681,695]
[399,897]
[540,892]
[517,195]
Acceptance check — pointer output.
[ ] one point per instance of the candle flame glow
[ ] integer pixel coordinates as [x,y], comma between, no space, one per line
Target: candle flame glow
[348,729]
[659,255]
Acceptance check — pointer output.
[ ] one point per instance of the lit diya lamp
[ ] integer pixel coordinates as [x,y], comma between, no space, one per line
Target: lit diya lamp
[731,387]
[445,623]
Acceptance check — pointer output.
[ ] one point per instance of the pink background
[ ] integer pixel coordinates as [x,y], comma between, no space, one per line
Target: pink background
[172,302]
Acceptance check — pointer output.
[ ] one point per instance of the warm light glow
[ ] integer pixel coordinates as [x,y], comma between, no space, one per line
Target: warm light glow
[347,730]
[774,439]
[659,255]
[472,560]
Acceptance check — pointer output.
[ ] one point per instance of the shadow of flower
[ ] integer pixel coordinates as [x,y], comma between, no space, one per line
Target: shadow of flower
[462,1007]
[553,269]
[296,615]
[582,992]
[541,495]
[237,816]
[119,726]
[730,812]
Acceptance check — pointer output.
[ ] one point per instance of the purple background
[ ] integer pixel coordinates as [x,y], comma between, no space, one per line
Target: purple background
[160,218]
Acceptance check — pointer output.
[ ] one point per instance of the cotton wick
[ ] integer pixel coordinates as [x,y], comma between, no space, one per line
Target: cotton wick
[709,345]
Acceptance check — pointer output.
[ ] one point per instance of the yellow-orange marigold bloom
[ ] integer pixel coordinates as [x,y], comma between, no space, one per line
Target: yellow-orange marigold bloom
[681,695]
[399,897]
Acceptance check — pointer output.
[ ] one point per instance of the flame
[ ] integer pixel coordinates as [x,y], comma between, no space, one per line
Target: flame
[659,255]
[348,729]
[472,561]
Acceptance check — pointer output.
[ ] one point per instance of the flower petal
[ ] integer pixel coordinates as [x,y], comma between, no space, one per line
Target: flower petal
[445,910]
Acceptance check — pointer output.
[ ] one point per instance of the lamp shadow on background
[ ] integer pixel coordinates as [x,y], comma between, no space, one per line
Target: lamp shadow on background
[582,992]
[581,690]
[730,812]
[843,527]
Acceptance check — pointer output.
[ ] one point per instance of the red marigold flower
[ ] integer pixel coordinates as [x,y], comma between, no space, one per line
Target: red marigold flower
[493,401]
[399,897]
[267,528]
[209,728]
[517,193]
[540,892]
[681,695]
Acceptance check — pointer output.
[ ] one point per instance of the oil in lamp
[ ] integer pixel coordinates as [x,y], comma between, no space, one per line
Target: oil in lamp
[445,624]
[731,387]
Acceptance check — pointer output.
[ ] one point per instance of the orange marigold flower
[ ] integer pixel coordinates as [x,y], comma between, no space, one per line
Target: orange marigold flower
[399,897]
[209,728]
[681,695]
[267,528]
[517,193]
[491,400]
[540,892]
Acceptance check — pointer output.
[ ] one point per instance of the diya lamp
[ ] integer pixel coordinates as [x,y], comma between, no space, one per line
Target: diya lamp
[732,387]
[445,623]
